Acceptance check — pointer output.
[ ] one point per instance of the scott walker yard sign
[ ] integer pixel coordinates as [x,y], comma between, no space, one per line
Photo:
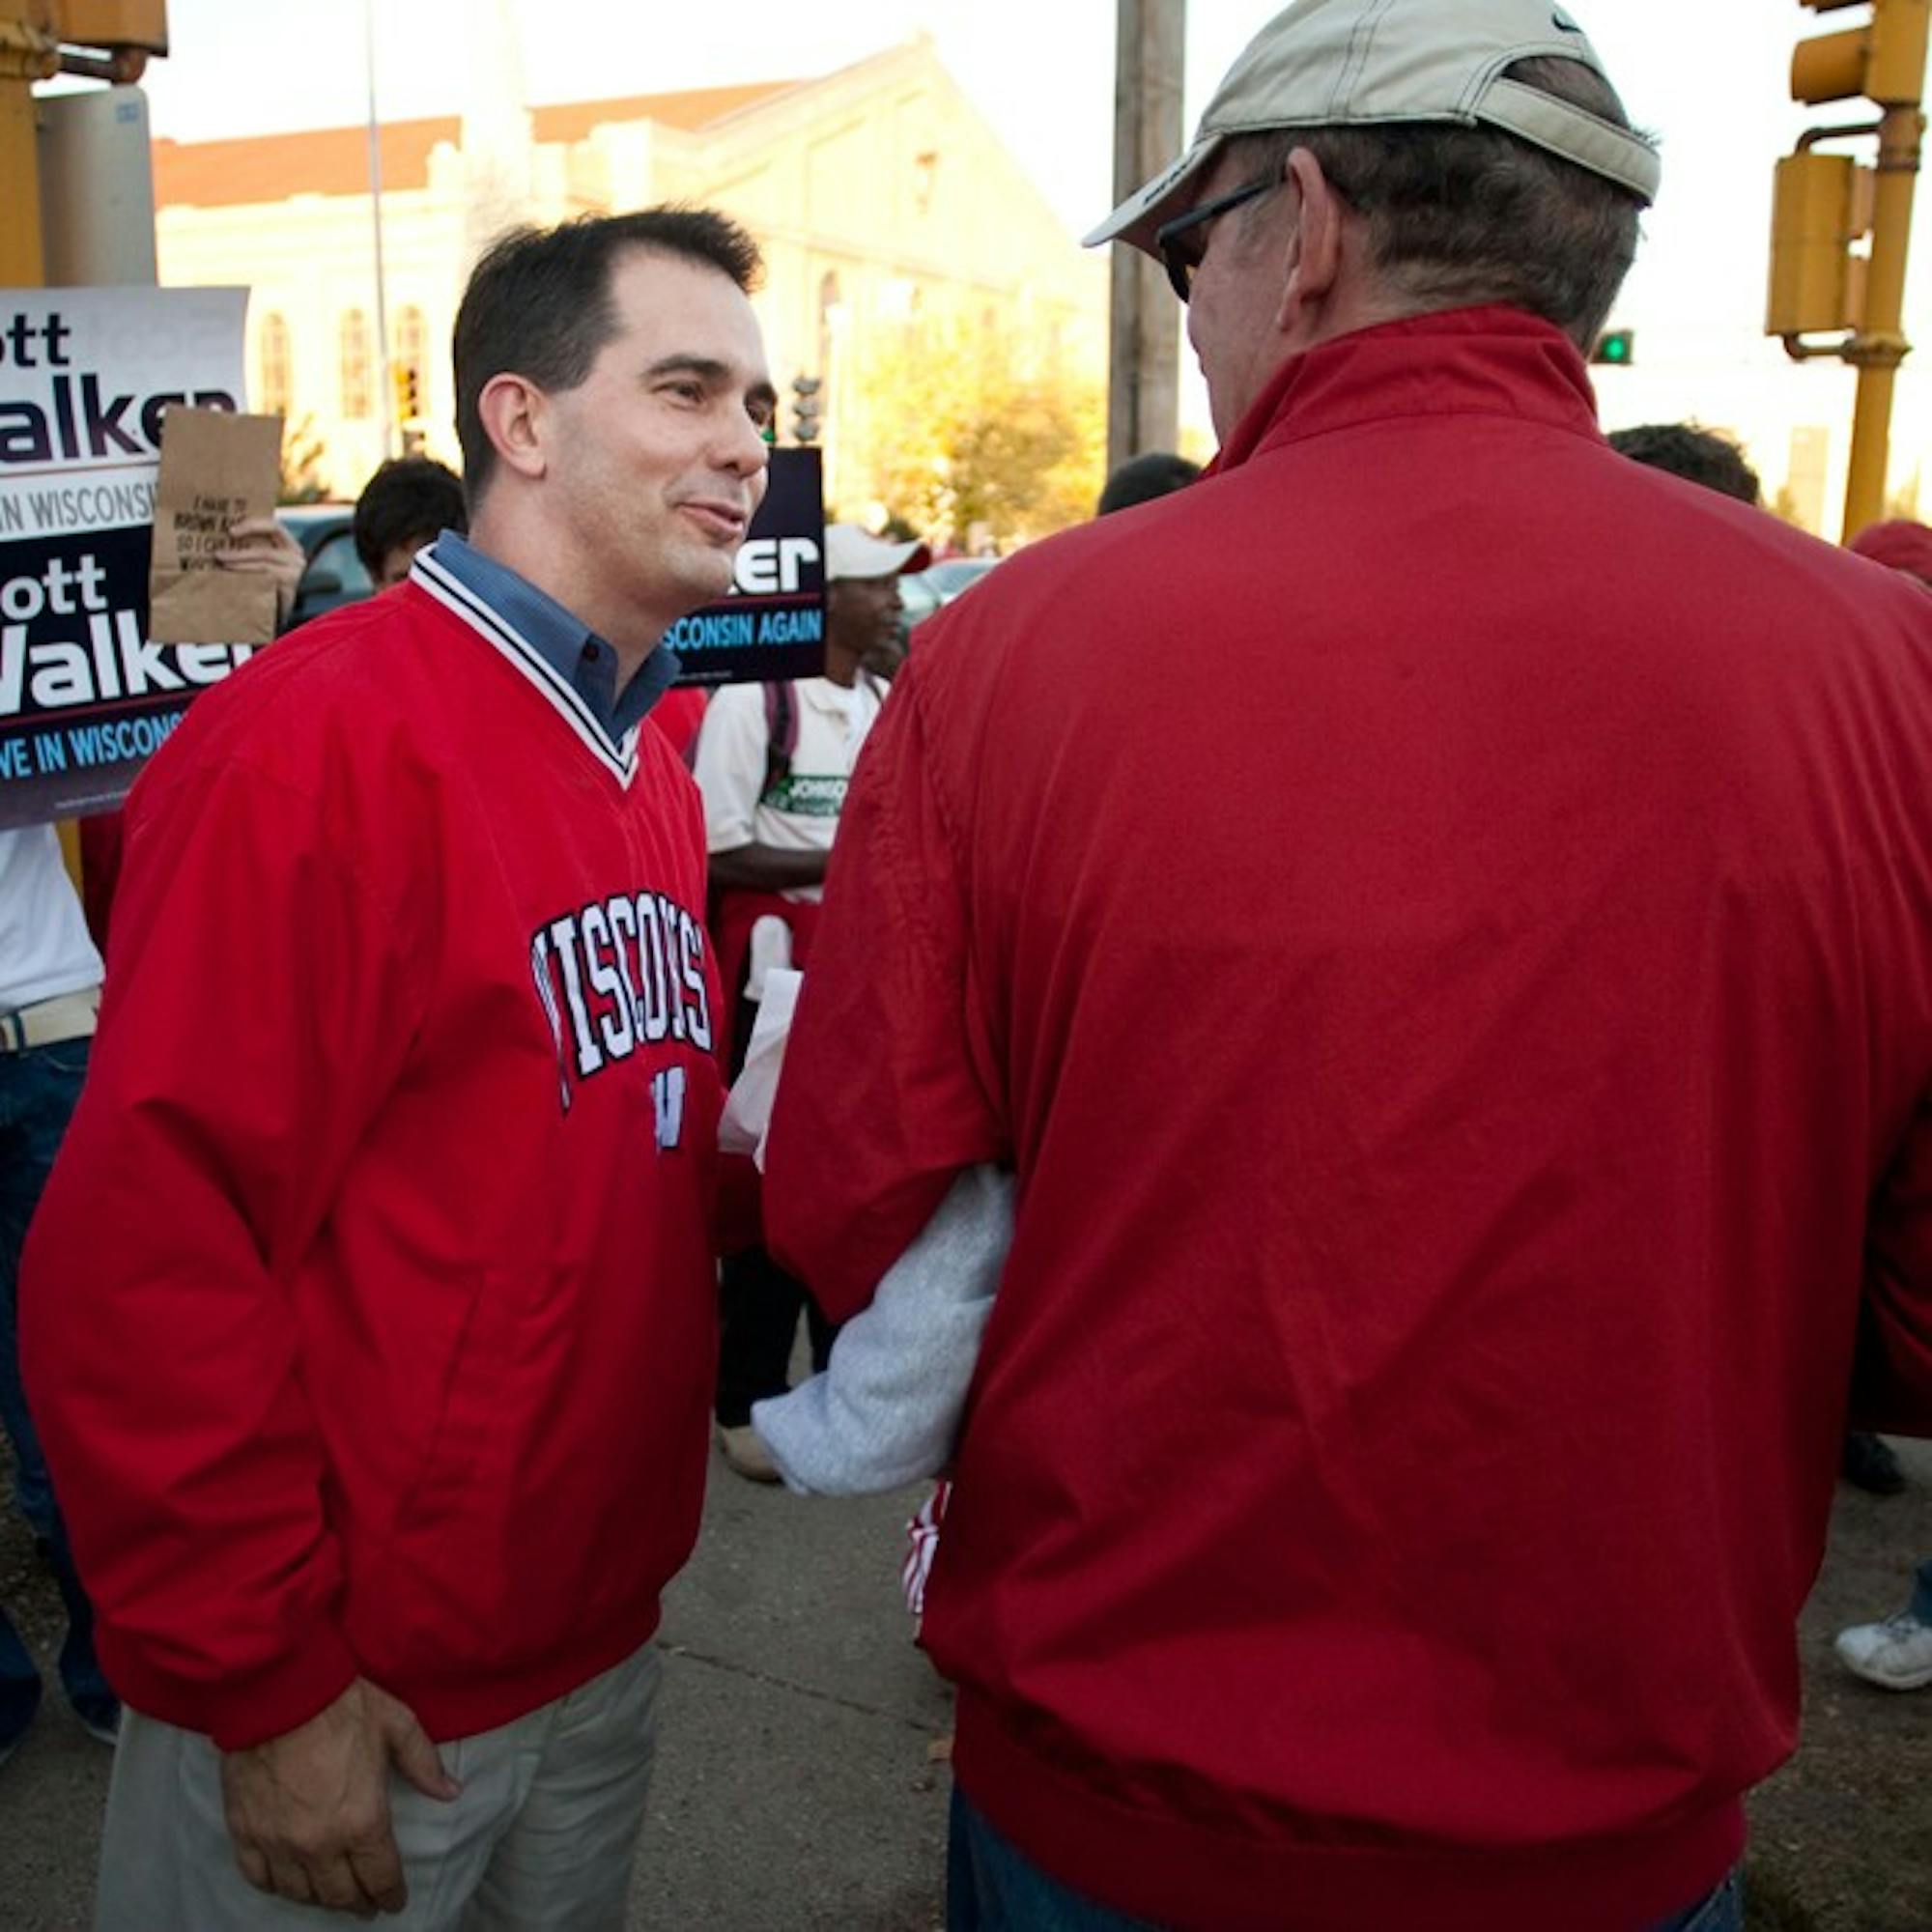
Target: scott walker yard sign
[85,377]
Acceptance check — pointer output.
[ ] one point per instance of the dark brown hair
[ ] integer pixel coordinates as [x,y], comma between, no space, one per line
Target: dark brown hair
[1696,454]
[412,499]
[538,304]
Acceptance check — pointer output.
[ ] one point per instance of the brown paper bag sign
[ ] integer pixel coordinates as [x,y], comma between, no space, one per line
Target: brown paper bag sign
[217,469]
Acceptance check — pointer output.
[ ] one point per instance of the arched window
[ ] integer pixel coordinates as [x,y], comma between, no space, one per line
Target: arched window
[412,362]
[274,391]
[356,394]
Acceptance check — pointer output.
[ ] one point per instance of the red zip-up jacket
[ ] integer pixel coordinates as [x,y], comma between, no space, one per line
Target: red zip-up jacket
[369,1313]
[1440,917]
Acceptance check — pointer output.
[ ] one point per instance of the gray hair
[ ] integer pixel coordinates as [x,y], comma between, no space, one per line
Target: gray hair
[1458,216]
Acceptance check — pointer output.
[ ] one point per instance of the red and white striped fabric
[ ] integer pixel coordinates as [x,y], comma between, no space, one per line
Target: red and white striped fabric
[923,1546]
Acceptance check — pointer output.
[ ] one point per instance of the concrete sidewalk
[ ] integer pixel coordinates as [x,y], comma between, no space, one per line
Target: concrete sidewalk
[796,1787]
[797,1790]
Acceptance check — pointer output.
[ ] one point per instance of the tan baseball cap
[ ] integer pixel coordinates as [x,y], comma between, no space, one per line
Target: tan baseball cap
[1356,62]
[852,552]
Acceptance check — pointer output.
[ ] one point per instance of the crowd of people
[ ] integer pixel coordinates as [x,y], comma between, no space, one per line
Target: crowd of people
[1360,1088]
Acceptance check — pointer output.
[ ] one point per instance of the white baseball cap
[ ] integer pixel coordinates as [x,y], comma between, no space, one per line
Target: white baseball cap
[1357,62]
[850,552]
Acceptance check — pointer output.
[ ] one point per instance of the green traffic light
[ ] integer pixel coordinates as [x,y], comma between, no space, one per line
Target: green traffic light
[1618,347]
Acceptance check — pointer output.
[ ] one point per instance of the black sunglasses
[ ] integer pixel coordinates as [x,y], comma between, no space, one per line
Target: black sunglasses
[1180,258]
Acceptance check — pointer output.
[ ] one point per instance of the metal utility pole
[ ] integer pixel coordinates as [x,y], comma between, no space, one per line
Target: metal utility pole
[1901,136]
[1143,381]
[386,379]
[29,52]
[1828,202]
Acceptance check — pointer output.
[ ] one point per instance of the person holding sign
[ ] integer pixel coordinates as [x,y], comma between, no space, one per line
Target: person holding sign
[1437,919]
[392,1177]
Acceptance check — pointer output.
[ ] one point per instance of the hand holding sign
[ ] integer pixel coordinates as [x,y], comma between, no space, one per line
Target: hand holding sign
[219,473]
[259,544]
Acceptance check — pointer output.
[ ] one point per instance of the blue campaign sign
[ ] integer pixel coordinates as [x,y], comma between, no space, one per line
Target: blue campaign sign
[86,696]
[772,627]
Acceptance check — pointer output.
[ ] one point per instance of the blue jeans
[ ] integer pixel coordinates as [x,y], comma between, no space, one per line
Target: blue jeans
[37,1091]
[1920,1605]
[992,1887]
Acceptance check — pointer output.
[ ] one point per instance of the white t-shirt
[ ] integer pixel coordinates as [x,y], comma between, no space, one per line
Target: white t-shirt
[801,816]
[44,951]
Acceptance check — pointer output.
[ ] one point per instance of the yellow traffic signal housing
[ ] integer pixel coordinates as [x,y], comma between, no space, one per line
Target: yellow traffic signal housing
[1884,60]
[408,392]
[1827,202]
[1823,205]
[114,23]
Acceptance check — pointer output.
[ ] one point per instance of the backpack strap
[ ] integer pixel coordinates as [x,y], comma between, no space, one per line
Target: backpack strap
[781,736]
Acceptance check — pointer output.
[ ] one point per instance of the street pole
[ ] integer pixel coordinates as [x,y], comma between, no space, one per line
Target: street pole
[1881,346]
[29,52]
[384,372]
[1144,370]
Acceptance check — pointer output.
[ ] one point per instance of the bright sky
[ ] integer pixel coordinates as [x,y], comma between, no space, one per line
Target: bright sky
[1707,76]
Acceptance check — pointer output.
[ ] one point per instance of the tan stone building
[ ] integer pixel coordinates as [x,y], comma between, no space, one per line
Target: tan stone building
[880,196]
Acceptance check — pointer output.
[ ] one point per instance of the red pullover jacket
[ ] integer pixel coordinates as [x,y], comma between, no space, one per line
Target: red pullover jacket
[1440,918]
[369,1314]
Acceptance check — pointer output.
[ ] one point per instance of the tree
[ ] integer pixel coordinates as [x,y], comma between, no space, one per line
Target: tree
[302,454]
[969,442]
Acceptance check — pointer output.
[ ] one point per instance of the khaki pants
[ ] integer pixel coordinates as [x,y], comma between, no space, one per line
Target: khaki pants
[541,1839]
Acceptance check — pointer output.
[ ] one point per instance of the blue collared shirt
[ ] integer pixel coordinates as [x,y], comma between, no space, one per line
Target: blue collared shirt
[584,660]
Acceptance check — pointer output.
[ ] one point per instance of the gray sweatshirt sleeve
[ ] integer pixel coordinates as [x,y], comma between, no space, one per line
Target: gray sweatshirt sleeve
[887,1409]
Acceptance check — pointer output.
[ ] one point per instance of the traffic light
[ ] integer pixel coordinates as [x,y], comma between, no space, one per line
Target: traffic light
[1826,204]
[1823,205]
[408,392]
[805,408]
[1884,60]
[1617,348]
[1825,280]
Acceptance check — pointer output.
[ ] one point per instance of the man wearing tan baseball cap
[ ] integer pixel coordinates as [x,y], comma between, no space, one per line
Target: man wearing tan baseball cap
[1435,916]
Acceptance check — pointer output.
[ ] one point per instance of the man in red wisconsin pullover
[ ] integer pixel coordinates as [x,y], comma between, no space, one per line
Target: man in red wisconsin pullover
[390,1181]
[1440,920]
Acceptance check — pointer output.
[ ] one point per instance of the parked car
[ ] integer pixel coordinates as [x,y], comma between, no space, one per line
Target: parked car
[924,591]
[333,574]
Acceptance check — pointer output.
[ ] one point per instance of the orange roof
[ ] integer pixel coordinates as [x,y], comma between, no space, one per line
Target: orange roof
[335,160]
[695,107]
